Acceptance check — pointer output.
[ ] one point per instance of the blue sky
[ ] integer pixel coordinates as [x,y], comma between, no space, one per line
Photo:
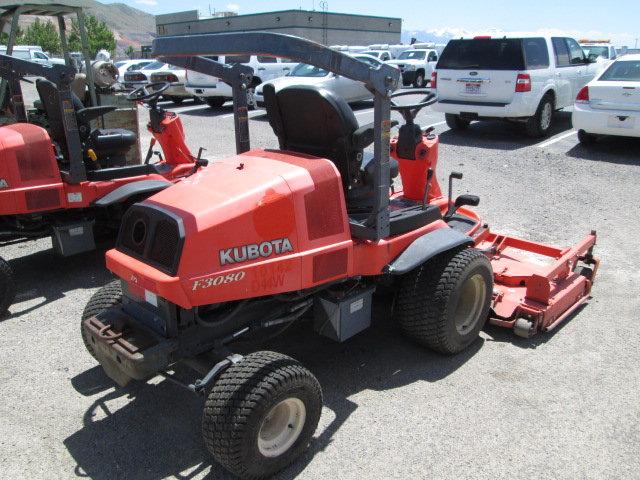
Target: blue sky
[619,20]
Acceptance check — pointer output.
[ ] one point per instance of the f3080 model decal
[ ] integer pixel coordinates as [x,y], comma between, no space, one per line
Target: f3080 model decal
[251,252]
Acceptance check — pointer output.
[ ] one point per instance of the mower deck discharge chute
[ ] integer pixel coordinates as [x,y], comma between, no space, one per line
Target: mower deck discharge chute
[308,232]
[65,179]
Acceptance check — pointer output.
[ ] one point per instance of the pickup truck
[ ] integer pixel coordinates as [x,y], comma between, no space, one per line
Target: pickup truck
[35,54]
[416,65]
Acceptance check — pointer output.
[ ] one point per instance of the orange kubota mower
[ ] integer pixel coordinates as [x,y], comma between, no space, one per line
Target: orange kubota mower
[68,179]
[265,238]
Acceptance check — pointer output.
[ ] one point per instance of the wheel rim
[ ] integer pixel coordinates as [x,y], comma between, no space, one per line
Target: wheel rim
[250,96]
[420,80]
[471,303]
[281,427]
[545,118]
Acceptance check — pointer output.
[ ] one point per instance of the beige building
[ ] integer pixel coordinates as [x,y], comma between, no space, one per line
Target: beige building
[327,28]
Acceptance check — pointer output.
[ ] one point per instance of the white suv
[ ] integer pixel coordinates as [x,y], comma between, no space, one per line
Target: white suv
[523,79]
[215,92]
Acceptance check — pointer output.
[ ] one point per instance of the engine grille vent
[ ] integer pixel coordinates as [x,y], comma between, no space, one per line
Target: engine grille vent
[153,235]
[41,199]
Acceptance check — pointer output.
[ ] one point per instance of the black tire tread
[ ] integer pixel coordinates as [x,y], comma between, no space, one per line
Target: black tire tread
[106,297]
[532,125]
[239,391]
[423,297]
[7,286]
[454,122]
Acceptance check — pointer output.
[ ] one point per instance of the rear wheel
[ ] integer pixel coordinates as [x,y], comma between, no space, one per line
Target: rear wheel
[108,296]
[215,102]
[455,122]
[261,414]
[7,286]
[540,124]
[586,138]
[419,82]
[444,303]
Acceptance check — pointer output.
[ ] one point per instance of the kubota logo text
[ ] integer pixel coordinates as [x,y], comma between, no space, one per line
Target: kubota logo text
[253,251]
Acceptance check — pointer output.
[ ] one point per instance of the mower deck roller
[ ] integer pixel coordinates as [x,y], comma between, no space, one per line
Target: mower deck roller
[537,286]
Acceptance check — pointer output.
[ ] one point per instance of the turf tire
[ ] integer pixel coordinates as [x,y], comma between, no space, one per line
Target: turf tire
[108,296]
[429,296]
[7,286]
[239,402]
[215,102]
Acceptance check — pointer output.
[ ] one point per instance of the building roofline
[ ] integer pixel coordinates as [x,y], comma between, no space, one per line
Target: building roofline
[291,10]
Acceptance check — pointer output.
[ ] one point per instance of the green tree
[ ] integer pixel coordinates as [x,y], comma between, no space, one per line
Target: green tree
[43,34]
[129,51]
[98,33]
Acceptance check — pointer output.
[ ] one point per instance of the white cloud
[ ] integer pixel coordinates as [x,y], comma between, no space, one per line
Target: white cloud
[233,7]
[147,2]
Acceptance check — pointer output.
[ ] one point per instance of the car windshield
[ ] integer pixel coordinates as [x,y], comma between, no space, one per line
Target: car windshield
[596,51]
[119,64]
[304,70]
[622,71]
[153,66]
[373,54]
[412,55]
[483,54]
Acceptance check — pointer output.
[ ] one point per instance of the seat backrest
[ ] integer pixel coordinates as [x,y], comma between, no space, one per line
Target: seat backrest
[314,121]
[50,99]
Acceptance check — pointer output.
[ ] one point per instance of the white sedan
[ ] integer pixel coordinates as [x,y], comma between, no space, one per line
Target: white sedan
[303,74]
[610,103]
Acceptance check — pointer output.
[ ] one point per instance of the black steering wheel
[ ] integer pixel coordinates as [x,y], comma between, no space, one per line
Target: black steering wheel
[142,93]
[410,111]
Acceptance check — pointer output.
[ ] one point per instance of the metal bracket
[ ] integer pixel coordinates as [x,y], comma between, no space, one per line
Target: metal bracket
[200,385]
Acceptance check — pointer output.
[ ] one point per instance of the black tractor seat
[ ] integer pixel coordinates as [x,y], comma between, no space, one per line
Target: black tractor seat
[109,145]
[317,122]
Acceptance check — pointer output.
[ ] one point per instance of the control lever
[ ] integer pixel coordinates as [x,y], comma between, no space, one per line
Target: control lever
[150,151]
[426,188]
[450,206]
[200,162]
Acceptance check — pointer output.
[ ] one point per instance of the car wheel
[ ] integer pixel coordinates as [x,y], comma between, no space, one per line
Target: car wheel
[586,138]
[418,82]
[455,122]
[215,102]
[540,124]
[177,100]
[261,414]
[444,303]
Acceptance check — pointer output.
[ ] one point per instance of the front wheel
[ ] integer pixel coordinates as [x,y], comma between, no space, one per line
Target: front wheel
[7,286]
[261,414]
[540,124]
[586,138]
[455,122]
[444,303]
[215,102]
[108,296]
[419,82]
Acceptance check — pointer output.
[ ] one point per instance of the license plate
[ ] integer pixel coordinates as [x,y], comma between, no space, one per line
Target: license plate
[621,121]
[472,88]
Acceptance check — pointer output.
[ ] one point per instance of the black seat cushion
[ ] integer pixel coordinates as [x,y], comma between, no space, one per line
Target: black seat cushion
[314,121]
[115,140]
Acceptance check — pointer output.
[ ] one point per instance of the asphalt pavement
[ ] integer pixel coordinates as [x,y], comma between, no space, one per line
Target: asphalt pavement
[563,405]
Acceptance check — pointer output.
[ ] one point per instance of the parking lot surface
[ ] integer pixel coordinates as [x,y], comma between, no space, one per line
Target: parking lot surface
[561,405]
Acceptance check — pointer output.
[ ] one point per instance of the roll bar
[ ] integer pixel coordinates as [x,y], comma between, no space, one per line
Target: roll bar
[187,51]
[12,70]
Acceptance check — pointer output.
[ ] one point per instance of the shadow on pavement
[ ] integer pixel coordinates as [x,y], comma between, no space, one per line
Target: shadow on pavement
[157,433]
[619,150]
[49,277]
[502,135]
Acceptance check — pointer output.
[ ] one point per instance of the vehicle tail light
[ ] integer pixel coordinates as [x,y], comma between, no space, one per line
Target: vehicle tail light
[523,83]
[171,78]
[583,95]
[434,80]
